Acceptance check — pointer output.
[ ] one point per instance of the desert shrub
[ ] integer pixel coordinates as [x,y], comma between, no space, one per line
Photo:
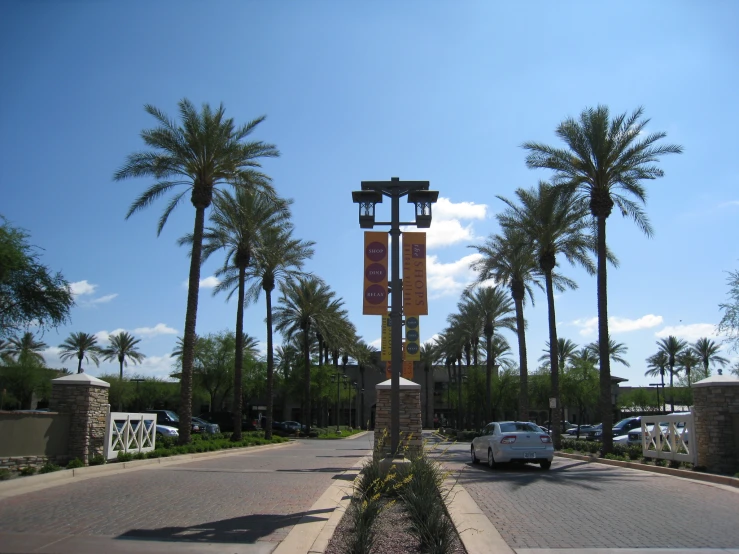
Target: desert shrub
[97,460]
[5,474]
[49,467]
[125,456]
[28,470]
[76,463]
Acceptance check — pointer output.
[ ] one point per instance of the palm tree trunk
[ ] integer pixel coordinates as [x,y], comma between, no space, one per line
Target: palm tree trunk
[270,367]
[460,425]
[120,387]
[488,376]
[306,415]
[191,314]
[79,363]
[606,405]
[523,398]
[672,395]
[426,408]
[553,361]
[362,422]
[239,358]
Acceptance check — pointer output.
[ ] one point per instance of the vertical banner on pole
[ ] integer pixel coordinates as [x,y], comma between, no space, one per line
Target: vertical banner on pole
[375,273]
[389,370]
[386,339]
[407,370]
[414,274]
[412,339]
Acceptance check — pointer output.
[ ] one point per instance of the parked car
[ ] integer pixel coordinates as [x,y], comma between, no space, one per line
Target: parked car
[167,431]
[621,428]
[225,421]
[171,419]
[564,427]
[513,441]
[206,427]
[292,426]
[587,432]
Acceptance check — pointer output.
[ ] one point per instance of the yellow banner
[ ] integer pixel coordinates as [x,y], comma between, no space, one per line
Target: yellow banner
[386,340]
[412,345]
[414,274]
[375,273]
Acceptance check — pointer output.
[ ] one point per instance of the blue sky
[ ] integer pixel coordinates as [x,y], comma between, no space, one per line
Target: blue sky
[437,91]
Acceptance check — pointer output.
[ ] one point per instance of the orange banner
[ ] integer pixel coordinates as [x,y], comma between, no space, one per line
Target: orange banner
[407,370]
[414,274]
[375,273]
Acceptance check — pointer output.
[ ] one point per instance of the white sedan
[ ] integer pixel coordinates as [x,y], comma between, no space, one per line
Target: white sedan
[513,441]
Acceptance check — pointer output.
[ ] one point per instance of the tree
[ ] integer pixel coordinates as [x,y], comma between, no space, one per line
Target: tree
[566,349]
[82,346]
[204,153]
[657,364]
[428,357]
[708,351]
[25,349]
[509,260]
[729,323]
[672,347]
[686,361]
[554,220]
[279,259]
[237,223]
[304,305]
[605,160]
[30,294]
[616,351]
[123,348]
[365,356]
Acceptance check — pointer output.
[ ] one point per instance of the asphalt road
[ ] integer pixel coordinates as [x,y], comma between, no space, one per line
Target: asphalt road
[583,505]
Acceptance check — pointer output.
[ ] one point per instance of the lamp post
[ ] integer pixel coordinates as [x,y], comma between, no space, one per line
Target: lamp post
[419,194]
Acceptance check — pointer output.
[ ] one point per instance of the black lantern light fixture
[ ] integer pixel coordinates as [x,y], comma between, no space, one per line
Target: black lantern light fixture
[366,200]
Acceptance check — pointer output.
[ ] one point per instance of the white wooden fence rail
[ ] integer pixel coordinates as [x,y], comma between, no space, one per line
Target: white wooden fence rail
[129,433]
[675,441]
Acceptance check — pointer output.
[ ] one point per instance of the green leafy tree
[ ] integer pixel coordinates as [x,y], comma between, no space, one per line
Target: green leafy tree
[672,347]
[555,222]
[729,323]
[657,364]
[29,292]
[204,153]
[82,346]
[606,160]
[708,352]
[686,361]
[24,371]
[616,351]
[25,349]
[123,347]
[566,349]
[509,260]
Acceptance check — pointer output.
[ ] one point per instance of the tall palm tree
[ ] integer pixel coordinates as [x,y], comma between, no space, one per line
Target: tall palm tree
[584,357]
[304,304]
[566,349]
[657,364]
[122,347]
[708,351]
[606,160]
[616,351]
[206,151]
[493,309]
[428,356]
[82,346]
[555,222]
[279,259]
[236,226]
[686,361]
[672,347]
[509,260]
[365,356]
[25,349]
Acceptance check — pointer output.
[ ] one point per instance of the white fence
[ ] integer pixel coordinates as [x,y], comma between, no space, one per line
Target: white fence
[129,433]
[670,437]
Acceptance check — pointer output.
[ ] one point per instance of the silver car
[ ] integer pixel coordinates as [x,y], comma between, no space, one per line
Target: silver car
[513,441]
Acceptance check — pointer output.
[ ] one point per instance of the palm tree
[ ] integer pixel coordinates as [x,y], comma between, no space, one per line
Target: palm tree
[657,364]
[237,223]
[25,349]
[555,223]
[606,160]
[672,347]
[708,351]
[493,309]
[305,303]
[122,348]
[279,259]
[616,351]
[428,356]
[686,361]
[566,349]
[365,356]
[510,261]
[80,346]
[204,153]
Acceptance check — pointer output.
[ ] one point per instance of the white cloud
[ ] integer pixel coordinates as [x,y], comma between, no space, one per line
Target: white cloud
[207,283]
[158,329]
[589,327]
[729,203]
[450,278]
[103,299]
[691,332]
[446,225]
[82,287]
[104,336]
[153,366]
[377,343]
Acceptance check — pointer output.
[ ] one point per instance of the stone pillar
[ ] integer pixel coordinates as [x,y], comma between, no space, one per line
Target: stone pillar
[716,414]
[85,399]
[410,415]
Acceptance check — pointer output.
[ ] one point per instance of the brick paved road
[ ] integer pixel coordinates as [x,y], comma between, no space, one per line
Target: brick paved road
[244,498]
[588,505]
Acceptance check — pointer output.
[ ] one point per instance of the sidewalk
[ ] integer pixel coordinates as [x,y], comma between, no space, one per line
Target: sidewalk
[238,502]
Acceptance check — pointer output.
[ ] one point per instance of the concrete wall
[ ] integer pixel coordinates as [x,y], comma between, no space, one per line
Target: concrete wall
[38,434]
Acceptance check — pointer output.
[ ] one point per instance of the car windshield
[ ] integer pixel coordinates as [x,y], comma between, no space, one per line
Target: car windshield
[173,416]
[517,426]
[622,422]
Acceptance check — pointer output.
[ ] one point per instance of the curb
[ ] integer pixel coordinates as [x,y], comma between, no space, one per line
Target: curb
[358,435]
[683,473]
[32,483]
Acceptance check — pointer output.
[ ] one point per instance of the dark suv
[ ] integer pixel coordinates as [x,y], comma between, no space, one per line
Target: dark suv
[225,421]
[168,417]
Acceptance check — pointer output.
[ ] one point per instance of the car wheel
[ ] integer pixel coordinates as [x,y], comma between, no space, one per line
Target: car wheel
[473,455]
[491,459]
[545,464]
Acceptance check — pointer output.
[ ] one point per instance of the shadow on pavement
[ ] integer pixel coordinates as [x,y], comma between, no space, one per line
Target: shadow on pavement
[246,529]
